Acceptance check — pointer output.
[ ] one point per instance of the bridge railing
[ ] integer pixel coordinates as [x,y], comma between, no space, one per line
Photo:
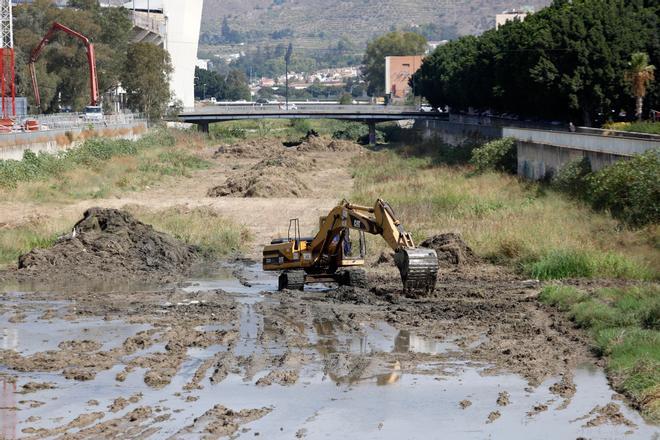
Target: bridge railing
[300,108]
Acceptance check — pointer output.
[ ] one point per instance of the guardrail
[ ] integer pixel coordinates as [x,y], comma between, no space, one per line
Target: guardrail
[599,143]
[303,108]
[61,121]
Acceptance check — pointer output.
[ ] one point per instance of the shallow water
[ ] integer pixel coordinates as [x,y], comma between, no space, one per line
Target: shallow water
[394,403]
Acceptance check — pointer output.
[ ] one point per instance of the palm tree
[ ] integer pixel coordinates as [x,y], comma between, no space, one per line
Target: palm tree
[639,74]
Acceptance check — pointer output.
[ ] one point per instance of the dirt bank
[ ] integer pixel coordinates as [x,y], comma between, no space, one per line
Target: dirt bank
[282,172]
[107,244]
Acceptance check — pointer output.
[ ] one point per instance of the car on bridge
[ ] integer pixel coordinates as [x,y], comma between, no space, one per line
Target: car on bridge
[289,106]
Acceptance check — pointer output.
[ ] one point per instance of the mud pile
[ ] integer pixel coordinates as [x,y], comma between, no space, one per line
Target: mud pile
[271,177]
[320,144]
[106,244]
[252,149]
[451,250]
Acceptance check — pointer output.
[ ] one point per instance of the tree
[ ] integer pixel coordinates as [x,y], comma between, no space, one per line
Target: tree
[639,75]
[391,44]
[565,62]
[146,79]
[62,69]
[236,86]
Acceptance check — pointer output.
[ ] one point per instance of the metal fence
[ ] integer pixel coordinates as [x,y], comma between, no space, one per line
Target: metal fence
[61,121]
[299,107]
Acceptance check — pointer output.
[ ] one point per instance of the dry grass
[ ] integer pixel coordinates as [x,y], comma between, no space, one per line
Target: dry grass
[157,156]
[201,227]
[502,218]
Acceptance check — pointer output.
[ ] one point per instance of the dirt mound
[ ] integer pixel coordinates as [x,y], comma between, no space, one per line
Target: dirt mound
[271,177]
[252,149]
[319,144]
[451,249]
[109,243]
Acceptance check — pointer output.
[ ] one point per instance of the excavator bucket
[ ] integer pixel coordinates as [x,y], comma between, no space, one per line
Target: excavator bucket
[418,268]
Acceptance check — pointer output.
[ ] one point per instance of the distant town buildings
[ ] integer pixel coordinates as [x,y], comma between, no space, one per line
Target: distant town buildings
[202,63]
[510,15]
[398,71]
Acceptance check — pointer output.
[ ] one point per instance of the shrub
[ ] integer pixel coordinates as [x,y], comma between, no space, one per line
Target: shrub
[357,132]
[569,263]
[629,189]
[562,297]
[346,99]
[563,264]
[498,155]
[572,178]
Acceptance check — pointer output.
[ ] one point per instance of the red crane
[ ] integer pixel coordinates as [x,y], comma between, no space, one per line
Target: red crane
[91,59]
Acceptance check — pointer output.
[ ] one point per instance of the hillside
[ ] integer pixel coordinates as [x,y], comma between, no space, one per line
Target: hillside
[319,23]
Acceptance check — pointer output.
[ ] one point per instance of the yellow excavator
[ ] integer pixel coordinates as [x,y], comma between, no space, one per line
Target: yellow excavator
[332,256]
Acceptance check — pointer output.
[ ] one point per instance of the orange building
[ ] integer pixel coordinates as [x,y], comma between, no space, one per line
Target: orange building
[398,70]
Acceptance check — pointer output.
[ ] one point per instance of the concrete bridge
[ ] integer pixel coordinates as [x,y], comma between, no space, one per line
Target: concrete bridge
[368,114]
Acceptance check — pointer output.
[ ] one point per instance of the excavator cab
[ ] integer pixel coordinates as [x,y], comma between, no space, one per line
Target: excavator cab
[336,253]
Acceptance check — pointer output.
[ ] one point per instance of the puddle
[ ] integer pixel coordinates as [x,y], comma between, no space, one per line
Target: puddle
[32,337]
[389,401]
[378,338]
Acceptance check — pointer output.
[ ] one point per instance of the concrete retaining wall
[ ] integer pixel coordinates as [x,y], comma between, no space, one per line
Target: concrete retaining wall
[541,153]
[13,145]
[456,133]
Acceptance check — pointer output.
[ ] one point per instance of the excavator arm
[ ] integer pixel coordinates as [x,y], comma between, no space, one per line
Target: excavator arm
[91,60]
[418,266]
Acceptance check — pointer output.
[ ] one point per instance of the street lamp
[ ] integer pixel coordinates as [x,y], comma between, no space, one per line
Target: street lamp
[287,59]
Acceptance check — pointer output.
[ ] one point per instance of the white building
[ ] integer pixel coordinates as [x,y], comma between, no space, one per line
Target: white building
[506,16]
[174,25]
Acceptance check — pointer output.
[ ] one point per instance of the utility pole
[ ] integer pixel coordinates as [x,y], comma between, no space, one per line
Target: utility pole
[7,74]
[287,59]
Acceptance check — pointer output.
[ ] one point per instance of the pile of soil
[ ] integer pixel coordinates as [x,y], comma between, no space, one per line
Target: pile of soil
[110,243]
[252,149]
[319,144]
[271,177]
[451,250]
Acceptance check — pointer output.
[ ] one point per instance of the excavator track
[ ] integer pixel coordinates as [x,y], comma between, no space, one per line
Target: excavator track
[418,268]
[292,280]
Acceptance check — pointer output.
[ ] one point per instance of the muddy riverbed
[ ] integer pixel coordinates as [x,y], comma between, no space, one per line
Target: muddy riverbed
[226,355]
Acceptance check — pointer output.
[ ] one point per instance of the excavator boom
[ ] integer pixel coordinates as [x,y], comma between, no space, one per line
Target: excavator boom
[325,255]
[91,61]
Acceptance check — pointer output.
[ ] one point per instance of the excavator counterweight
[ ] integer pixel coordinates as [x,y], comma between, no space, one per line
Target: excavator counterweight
[331,255]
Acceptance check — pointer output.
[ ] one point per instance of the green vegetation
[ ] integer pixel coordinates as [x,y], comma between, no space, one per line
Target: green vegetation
[637,127]
[202,227]
[565,61]
[627,189]
[98,168]
[393,43]
[146,79]
[497,155]
[62,69]
[572,263]
[292,130]
[527,226]
[232,87]
[625,325]
[639,76]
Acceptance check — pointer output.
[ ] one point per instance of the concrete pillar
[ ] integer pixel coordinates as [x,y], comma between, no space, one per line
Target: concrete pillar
[372,133]
[203,127]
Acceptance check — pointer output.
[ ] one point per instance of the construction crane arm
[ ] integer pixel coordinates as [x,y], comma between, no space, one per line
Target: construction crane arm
[91,60]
